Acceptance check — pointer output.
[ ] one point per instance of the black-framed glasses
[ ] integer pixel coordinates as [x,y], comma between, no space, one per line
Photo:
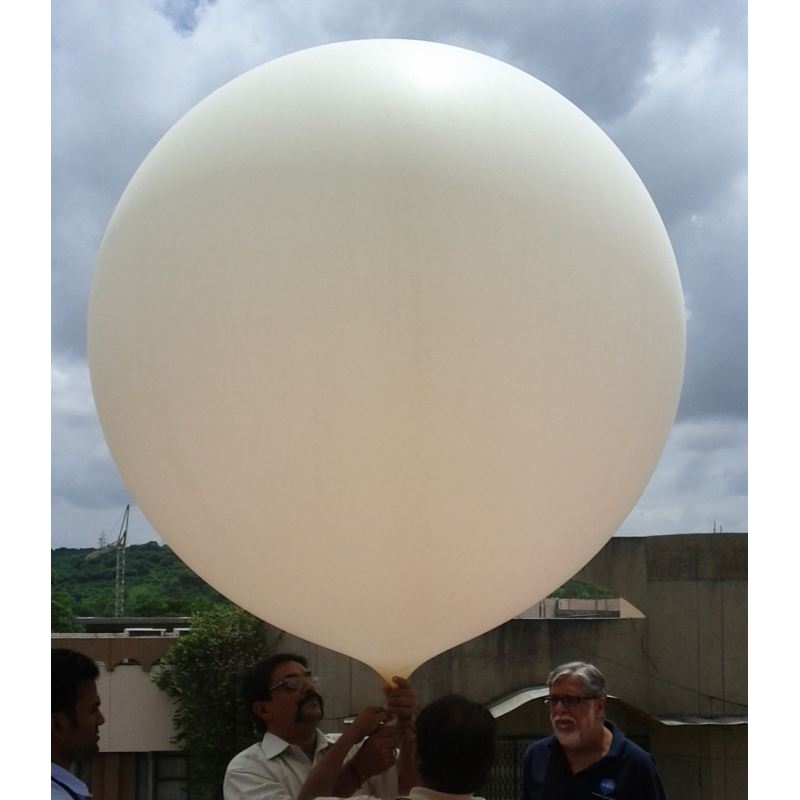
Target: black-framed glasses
[296,681]
[568,700]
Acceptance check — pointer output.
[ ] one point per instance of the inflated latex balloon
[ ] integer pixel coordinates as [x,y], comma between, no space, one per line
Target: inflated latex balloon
[386,339]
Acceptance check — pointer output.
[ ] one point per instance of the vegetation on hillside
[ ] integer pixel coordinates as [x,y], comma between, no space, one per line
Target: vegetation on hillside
[582,591]
[62,618]
[157,583]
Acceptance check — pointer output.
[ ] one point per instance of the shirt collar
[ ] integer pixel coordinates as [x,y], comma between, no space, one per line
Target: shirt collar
[616,742]
[68,779]
[273,745]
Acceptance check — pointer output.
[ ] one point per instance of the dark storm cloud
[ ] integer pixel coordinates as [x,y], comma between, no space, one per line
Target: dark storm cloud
[700,466]
[687,147]
[685,22]
[104,125]
[712,251]
[185,15]
[595,54]
[83,473]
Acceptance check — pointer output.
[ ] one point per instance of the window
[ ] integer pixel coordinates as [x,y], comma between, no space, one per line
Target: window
[161,776]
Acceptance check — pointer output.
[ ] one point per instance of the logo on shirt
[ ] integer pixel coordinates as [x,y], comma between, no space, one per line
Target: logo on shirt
[607,786]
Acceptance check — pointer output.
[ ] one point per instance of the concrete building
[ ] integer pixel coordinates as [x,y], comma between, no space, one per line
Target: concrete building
[674,656]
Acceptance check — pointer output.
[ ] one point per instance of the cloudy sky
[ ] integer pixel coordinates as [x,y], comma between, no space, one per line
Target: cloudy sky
[667,80]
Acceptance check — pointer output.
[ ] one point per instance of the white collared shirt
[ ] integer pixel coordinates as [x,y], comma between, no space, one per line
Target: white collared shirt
[273,769]
[68,779]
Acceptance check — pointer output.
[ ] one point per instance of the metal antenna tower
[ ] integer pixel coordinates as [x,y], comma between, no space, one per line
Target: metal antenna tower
[119,546]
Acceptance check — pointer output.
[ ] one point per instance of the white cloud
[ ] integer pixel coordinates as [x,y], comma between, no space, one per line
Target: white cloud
[687,135]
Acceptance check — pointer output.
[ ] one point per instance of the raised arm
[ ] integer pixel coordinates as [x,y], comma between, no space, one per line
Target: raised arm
[326,779]
[400,702]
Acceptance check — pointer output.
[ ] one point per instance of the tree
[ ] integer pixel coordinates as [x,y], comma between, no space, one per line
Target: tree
[202,672]
[148,603]
[62,619]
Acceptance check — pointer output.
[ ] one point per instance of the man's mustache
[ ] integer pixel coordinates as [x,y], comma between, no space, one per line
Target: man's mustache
[307,698]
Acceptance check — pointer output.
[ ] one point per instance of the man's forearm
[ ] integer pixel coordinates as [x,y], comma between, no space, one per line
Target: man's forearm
[407,777]
[325,779]
[349,780]
[329,778]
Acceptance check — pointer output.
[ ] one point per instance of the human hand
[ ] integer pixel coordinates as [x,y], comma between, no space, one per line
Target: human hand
[378,753]
[367,722]
[400,701]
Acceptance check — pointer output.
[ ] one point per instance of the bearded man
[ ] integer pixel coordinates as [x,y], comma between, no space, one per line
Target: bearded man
[587,757]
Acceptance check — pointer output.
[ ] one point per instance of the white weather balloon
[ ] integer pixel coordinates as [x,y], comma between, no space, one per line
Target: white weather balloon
[386,339]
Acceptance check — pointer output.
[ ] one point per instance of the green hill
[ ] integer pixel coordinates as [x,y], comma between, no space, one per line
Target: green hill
[157,582]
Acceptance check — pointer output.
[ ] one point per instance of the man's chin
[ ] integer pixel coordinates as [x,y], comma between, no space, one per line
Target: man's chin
[567,737]
[310,711]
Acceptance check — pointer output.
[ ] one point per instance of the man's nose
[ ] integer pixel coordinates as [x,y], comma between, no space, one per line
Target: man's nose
[100,718]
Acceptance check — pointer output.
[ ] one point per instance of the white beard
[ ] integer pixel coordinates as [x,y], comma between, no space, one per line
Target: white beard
[571,739]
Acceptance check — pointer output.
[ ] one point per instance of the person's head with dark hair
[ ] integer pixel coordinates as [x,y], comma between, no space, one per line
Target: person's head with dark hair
[456,741]
[75,707]
[279,691]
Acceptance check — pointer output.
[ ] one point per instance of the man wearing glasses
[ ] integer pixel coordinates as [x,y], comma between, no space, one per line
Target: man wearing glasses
[587,757]
[281,694]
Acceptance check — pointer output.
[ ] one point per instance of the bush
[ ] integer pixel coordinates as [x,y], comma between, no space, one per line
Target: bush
[202,672]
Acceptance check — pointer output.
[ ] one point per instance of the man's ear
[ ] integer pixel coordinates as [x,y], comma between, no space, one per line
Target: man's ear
[601,705]
[262,711]
[59,725]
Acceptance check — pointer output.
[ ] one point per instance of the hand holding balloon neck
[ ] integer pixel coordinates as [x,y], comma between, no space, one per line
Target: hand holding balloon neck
[400,702]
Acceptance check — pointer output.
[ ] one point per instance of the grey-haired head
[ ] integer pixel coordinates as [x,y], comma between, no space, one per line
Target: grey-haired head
[592,679]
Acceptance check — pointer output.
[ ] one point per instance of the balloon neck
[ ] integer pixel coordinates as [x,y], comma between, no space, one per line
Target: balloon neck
[389,674]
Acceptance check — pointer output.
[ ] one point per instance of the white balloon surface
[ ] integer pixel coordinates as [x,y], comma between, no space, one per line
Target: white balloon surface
[386,339]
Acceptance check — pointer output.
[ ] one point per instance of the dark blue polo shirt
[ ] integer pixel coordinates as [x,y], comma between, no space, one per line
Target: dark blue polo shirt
[625,772]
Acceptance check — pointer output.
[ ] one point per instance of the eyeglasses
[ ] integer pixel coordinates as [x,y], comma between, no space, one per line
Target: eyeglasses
[296,681]
[568,700]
